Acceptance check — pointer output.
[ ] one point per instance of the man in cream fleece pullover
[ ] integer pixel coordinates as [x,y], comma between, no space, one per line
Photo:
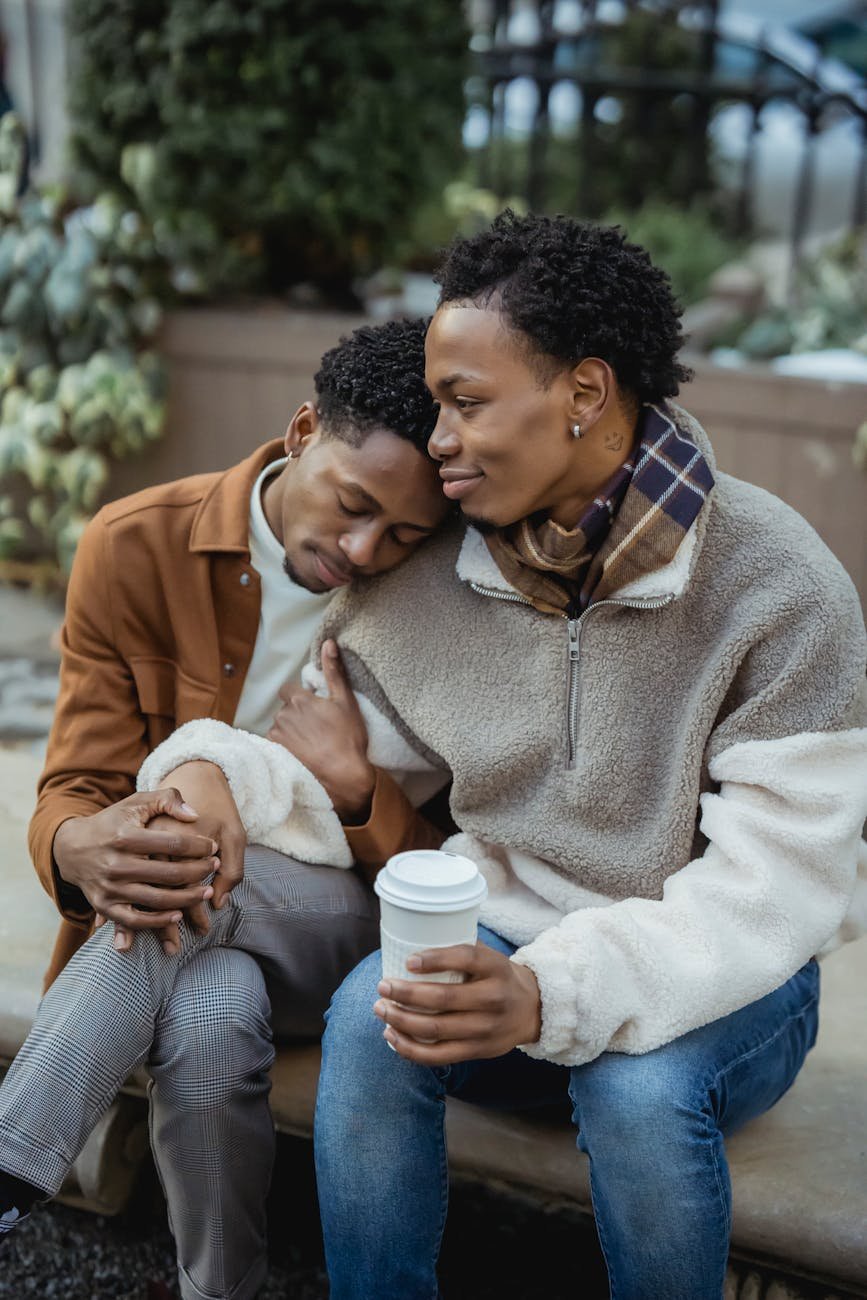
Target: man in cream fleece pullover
[645,680]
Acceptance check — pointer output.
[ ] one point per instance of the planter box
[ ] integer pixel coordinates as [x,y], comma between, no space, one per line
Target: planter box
[795,438]
[237,377]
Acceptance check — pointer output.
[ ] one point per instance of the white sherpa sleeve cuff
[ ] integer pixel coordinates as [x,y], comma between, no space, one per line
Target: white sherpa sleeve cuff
[281,803]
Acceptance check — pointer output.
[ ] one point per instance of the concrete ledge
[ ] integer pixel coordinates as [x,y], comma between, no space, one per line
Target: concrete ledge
[799,1173]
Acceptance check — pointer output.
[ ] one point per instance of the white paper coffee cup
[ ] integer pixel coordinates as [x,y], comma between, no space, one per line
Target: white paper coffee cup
[428,898]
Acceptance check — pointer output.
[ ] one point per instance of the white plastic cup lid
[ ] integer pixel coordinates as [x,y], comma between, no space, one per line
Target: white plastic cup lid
[431,880]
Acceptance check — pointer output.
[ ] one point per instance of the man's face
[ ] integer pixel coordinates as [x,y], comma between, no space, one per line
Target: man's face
[343,511]
[502,438]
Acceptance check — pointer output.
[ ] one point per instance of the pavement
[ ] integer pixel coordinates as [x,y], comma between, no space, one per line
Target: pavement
[30,624]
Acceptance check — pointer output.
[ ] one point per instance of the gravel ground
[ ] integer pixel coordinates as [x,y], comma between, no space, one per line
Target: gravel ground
[496,1247]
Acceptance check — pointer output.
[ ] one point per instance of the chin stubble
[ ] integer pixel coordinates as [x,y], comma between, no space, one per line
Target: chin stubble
[294,576]
[483,526]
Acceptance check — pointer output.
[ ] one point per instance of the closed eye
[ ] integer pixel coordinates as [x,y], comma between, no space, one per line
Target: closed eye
[345,509]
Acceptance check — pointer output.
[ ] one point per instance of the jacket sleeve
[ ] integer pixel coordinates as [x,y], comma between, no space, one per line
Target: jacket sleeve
[98,736]
[393,826]
[783,823]
[282,805]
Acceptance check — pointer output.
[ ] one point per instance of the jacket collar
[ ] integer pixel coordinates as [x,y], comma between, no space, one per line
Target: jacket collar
[476,566]
[222,521]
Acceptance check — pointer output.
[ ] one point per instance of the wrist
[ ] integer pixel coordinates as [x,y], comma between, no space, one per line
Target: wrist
[353,798]
[60,848]
[532,1017]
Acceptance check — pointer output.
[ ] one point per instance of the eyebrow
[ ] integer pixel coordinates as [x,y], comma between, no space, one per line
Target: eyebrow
[369,500]
[449,381]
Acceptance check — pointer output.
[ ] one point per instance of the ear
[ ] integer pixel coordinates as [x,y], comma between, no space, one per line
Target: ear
[593,386]
[303,425]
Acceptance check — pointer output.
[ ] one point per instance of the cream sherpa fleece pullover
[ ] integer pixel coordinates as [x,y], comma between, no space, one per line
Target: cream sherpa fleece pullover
[702,841]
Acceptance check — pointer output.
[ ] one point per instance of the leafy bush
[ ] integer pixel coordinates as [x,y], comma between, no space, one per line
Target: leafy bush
[688,243]
[77,381]
[828,307]
[272,143]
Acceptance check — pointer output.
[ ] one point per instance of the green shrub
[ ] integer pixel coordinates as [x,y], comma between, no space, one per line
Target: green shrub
[827,307]
[269,143]
[689,243]
[78,384]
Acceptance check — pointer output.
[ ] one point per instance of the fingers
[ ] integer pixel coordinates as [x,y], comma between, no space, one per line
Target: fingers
[290,689]
[231,870]
[141,906]
[198,919]
[170,937]
[469,958]
[129,917]
[163,843]
[429,1027]
[123,939]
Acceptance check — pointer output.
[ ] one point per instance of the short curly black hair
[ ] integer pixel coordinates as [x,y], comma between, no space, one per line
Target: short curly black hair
[574,289]
[374,379]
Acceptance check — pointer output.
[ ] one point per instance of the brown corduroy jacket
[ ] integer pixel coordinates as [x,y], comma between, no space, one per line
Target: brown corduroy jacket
[162,612]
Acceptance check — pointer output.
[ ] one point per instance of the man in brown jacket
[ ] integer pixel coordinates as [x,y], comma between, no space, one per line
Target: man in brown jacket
[196,599]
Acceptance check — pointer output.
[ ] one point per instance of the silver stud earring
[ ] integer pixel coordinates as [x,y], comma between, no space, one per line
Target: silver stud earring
[576,431]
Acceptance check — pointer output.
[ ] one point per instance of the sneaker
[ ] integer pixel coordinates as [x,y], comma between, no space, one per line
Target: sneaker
[9,1221]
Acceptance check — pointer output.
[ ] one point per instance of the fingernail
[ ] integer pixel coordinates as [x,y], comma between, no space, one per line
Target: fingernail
[330,648]
[170,949]
[215,848]
[185,807]
[177,917]
[413,963]
[379,1009]
[389,1035]
[384,987]
[208,892]
[215,864]
[118,943]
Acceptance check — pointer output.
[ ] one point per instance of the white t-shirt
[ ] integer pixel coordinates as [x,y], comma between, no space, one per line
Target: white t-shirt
[288,620]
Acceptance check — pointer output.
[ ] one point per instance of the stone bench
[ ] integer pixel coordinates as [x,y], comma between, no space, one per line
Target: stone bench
[799,1173]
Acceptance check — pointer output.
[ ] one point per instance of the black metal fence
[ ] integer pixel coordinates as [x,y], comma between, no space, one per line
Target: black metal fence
[581,106]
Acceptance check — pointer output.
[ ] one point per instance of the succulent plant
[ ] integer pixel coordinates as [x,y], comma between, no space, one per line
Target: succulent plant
[79,383]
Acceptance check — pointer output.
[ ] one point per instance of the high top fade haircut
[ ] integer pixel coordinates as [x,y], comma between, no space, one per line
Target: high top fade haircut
[573,290]
[374,379]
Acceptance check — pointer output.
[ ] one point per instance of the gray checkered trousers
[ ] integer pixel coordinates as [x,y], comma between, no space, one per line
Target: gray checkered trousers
[202,1022]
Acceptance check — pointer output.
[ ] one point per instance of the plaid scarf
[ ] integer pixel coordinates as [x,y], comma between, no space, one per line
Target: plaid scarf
[633,526]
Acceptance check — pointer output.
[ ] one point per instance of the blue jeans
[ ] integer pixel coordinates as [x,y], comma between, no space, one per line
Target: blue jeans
[651,1125]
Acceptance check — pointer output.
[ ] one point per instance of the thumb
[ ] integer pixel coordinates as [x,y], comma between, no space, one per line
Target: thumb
[168,801]
[334,672]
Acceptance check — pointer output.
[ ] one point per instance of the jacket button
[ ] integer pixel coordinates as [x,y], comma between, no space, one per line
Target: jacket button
[244,579]
[228,670]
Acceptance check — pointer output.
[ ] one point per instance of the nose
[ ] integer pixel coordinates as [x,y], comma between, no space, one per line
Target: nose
[359,544]
[444,441]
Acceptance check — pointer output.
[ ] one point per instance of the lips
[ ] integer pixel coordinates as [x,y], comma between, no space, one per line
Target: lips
[330,574]
[458,482]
